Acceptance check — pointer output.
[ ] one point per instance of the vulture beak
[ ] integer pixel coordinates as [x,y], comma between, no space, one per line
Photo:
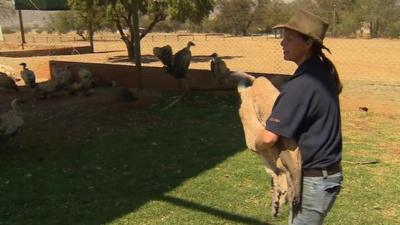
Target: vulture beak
[243,84]
[246,80]
[213,55]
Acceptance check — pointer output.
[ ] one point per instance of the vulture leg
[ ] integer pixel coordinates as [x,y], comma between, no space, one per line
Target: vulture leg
[184,87]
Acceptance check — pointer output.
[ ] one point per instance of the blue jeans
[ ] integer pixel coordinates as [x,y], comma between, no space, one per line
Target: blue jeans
[318,196]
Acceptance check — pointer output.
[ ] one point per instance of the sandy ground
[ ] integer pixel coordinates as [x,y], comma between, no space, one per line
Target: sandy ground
[369,69]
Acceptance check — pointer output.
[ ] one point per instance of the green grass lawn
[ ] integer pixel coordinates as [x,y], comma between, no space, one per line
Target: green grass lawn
[186,165]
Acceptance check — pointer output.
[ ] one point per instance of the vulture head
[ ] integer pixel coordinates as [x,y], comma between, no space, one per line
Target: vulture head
[23,65]
[242,79]
[190,44]
[214,55]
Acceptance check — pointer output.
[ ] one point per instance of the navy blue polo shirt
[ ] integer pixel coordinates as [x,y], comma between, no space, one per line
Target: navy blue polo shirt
[307,110]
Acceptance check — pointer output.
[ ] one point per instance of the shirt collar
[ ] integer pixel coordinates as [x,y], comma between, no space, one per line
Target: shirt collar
[313,60]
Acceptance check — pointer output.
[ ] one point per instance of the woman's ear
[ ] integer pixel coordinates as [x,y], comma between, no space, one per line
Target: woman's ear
[309,42]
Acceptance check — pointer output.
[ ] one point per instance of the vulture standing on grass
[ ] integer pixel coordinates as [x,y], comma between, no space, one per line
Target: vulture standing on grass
[283,160]
[176,65]
[11,121]
[85,82]
[46,89]
[7,82]
[28,76]
[62,77]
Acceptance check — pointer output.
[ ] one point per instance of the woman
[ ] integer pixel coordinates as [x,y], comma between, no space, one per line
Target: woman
[307,110]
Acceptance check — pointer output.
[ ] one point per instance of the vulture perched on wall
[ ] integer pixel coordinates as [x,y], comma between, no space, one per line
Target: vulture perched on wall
[7,82]
[28,76]
[11,121]
[164,54]
[282,161]
[178,64]
[222,75]
[218,68]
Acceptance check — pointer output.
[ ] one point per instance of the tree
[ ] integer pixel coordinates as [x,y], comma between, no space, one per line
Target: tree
[122,13]
[236,15]
[6,9]
[345,16]
[89,16]
[271,13]
[66,21]
[63,22]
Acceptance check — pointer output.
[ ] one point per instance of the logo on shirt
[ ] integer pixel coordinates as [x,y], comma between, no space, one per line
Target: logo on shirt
[272,119]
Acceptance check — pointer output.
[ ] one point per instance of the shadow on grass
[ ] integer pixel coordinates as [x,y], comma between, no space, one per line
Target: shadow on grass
[212,211]
[81,176]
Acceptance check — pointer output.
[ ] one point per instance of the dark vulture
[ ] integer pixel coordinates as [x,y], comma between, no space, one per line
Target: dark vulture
[7,82]
[28,76]
[176,65]
[218,68]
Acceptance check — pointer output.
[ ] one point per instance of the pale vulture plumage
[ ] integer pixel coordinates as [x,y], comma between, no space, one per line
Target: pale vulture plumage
[11,121]
[85,82]
[62,77]
[282,161]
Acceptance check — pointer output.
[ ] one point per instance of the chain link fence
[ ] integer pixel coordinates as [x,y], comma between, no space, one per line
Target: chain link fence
[356,59]
[368,68]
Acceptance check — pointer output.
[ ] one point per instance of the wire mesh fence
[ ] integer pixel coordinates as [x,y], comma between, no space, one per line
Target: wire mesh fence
[356,59]
[368,68]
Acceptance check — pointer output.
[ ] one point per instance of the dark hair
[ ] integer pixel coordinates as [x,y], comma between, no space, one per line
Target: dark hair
[316,49]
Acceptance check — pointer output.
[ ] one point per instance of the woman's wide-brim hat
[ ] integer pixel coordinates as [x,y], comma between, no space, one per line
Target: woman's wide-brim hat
[308,24]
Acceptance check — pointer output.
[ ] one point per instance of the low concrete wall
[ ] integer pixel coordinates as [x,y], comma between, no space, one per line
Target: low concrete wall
[155,78]
[50,51]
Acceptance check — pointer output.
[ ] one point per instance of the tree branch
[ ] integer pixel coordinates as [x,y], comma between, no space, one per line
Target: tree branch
[159,17]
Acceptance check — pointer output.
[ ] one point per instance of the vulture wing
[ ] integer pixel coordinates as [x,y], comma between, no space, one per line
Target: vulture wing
[212,67]
[164,54]
[181,63]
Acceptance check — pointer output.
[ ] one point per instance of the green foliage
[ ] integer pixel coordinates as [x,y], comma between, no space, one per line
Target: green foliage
[236,16]
[64,22]
[393,30]
[78,20]
[6,9]
[345,16]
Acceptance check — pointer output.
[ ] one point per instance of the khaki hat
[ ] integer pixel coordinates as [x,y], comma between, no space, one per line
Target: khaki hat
[307,24]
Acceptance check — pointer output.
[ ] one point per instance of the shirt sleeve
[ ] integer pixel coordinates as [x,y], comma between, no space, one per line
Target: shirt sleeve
[289,110]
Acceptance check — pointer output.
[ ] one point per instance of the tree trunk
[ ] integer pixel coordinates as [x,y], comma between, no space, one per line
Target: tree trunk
[91,33]
[136,35]
[131,49]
